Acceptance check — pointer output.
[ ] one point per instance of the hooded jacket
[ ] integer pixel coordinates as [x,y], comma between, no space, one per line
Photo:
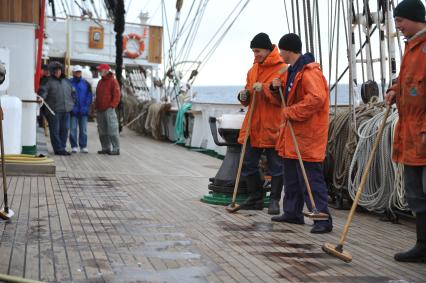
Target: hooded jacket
[410,91]
[58,93]
[308,110]
[84,97]
[107,93]
[266,120]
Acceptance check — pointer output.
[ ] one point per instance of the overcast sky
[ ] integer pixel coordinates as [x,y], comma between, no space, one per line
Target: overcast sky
[232,59]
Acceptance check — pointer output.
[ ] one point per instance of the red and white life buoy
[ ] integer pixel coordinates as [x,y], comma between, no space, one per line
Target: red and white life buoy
[136,52]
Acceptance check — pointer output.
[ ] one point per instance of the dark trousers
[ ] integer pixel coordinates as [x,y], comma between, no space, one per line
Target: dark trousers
[295,194]
[59,125]
[415,187]
[252,157]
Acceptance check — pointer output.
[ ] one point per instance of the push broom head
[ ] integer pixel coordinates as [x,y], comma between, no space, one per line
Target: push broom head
[337,251]
[316,215]
[233,207]
[6,215]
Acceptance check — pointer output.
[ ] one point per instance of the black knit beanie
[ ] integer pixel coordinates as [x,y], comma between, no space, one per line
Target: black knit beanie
[261,40]
[413,10]
[291,42]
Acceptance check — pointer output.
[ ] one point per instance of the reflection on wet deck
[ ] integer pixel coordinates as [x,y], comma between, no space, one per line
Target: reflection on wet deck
[137,217]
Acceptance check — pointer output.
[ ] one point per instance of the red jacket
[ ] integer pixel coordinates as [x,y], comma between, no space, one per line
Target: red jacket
[307,110]
[107,93]
[266,120]
[411,102]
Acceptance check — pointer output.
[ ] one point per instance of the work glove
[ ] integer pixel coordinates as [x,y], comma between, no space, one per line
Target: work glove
[243,95]
[257,86]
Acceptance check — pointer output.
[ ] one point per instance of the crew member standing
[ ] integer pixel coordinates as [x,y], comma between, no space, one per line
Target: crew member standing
[409,93]
[307,100]
[265,123]
[107,99]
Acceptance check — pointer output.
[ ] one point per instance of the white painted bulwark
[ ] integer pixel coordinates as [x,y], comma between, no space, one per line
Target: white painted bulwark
[19,39]
[12,109]
[201,136]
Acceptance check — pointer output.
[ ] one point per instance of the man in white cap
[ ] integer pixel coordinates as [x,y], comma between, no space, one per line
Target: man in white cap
[80,112]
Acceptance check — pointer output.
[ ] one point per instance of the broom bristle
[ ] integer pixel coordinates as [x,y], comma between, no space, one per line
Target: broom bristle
[331,250]
[316,216]
[6,216]
[233,207]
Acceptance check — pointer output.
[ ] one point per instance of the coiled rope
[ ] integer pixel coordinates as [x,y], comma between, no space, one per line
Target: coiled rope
[383,190]
[342,142]
[398,199]
[379,185]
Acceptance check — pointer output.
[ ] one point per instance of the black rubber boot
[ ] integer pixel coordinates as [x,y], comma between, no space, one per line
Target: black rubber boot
[418,252]
[255,198]
[276,189]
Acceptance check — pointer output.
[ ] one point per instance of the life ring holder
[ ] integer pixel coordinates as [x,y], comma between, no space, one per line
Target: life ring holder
[138,38]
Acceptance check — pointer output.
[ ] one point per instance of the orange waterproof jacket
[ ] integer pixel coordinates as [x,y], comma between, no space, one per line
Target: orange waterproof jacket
[307,110]
[266,119]
[411,102]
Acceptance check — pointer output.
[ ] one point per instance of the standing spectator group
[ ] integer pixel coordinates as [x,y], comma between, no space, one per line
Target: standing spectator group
[68,104]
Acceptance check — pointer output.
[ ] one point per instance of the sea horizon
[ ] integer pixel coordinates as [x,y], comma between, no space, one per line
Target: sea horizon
[228,94]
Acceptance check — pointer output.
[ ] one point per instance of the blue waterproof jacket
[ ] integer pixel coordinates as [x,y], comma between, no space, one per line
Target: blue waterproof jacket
[84,97]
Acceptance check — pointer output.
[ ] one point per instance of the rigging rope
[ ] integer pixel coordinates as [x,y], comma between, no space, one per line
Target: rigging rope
[359,38]
[379,187]
[286,16]
[343,140]
[299,30]
[398,199]
[319,33]
[305,25]
[292,16]
[310,30]
[216,45]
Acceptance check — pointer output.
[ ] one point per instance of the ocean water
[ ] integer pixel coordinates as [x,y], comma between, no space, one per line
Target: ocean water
[228,94]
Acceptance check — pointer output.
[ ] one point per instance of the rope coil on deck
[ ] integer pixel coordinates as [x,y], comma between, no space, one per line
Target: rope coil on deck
[383,190]
[342,142]
[347,152]
[379,185]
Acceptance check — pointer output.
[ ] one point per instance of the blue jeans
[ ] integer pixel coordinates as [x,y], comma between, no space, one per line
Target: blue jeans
[59,126]
[295,193]
[252,157]
[81,123]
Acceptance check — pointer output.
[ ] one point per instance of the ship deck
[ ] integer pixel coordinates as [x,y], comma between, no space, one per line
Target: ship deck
[137,217]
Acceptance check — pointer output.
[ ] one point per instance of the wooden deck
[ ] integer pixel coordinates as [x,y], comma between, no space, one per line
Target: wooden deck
[137,218]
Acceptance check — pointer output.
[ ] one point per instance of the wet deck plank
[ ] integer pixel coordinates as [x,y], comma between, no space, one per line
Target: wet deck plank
[137,217]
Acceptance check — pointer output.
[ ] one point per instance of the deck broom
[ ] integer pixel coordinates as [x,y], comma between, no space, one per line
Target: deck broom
[234,207]
[6,213]
[314,214]
[337,250]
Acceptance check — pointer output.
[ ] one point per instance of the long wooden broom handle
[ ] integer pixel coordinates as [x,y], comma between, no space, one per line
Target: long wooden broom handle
[243,150]
[364,178]
[299,156]
[3,169]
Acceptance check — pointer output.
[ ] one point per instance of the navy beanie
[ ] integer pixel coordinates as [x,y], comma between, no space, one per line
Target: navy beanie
[413,10]
[261,40]
[291,42]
